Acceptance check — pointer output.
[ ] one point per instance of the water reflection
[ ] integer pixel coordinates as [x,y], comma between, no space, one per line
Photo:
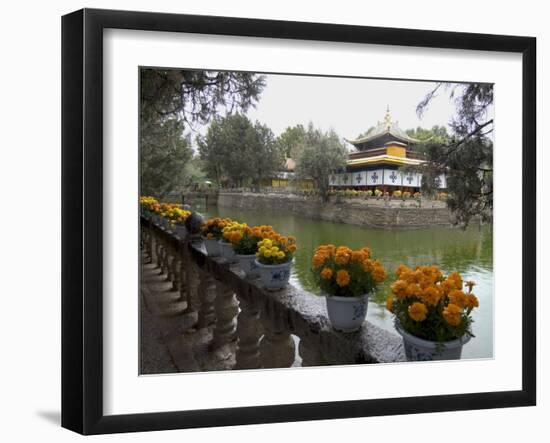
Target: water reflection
[469,252]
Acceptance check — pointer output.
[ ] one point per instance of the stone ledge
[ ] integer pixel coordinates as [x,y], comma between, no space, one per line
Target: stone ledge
[303,313]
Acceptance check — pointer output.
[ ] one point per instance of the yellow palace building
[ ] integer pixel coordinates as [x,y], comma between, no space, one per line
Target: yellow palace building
[378,160]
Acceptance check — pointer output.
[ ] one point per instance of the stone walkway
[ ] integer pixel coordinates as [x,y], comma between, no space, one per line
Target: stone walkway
[167,343]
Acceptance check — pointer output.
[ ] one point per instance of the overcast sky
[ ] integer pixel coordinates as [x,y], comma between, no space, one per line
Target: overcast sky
[347,105]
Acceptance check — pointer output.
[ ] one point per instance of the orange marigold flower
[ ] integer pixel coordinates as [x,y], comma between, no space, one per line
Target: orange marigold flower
[318,260]
[447,286]
[452,314]
[326,273]
[342,258]
[413,289]
[400,270]
[418,311]
[389,304]
[379,273]
[367,265]
[471,301]
[292,248]
[357,256]
[456,278]
[366,251]
[457,297]
[342,278]
[399,288]
[431,295]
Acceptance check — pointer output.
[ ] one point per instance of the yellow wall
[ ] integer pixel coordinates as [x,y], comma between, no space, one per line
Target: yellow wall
[396,151]
[283,183]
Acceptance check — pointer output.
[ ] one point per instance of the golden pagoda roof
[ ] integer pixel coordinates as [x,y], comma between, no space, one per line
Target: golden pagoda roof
[387,126]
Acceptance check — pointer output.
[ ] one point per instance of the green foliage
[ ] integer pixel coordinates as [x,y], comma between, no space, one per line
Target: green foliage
[437,135]
[467,156]
[292,141]
[361,282]
[248,245]
[164,153]
[434,327]
[238,152]
[322,155]
[172,101]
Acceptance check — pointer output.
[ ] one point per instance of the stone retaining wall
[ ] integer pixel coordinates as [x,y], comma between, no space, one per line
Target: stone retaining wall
[375,213]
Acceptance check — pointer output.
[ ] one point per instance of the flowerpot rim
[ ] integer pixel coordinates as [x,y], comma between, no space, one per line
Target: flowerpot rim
[346,299]
[280,265]
[245,255]
[429,343]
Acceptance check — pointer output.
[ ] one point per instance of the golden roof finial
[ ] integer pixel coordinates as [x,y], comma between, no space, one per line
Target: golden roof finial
[387,118]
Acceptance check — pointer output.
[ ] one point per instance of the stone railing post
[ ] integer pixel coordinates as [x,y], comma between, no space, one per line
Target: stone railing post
[310,349]
[249,333]
[277,348]
[207,294]
[226,309]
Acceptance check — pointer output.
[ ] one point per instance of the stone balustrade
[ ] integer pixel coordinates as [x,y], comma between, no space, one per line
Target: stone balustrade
[222,313]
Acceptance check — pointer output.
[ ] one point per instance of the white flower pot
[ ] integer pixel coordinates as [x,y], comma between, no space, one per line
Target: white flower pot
[248,264]
[226,251]
[274,277]
[418,349]
[347,314]
[212,246]
[181,231]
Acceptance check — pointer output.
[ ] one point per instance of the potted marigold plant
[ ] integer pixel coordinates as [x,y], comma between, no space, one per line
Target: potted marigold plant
[176,217]
[274,258]
[231,231]
[432,312]
[346,278]
[146,204]
[245,245]
[165,212]
[212,231]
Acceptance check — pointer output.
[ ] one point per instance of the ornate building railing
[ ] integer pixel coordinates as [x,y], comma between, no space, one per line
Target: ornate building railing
[260,327]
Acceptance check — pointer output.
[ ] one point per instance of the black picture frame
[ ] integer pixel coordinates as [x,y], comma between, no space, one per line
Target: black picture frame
[82,218]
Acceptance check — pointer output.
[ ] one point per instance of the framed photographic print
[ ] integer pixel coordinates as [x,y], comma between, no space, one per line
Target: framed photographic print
[269,221]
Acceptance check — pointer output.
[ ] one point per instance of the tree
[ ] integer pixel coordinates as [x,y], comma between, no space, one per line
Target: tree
[322,155]
[467,157]
[239,152]
[292,141]
[172,101]
[437,135]
[164,153]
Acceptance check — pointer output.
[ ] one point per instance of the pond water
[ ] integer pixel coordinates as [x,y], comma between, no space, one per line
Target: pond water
[469,252]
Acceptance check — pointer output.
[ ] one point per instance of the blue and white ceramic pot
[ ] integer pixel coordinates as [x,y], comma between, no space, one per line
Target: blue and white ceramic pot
[274,277]
[418,349]
[347,314]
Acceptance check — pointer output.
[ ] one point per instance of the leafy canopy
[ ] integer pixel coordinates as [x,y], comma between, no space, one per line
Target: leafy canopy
[173,101]
[322,155]
[467,156]
[237,152]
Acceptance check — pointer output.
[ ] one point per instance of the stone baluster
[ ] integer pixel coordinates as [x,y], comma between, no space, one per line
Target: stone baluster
[249,333]
[162,255]
[158,252]
[310,349]
[149,244]
[169,261]
[277,348]
[226,309]
[207,295]
[183,266]
[176,259]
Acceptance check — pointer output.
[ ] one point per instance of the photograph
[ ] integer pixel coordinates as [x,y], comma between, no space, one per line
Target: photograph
[291,220]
